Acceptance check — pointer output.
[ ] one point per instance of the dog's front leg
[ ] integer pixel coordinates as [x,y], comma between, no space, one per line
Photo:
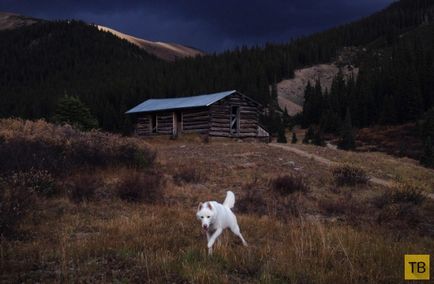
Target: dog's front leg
[212,239]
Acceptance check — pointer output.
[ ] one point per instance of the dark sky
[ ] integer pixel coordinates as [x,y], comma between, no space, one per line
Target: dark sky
[208,25]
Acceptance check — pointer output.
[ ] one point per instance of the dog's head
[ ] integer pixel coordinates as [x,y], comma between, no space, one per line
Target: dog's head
[205,214]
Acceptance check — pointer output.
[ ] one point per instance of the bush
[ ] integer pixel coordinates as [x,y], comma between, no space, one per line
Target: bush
[399,205]
[83,187]
[15,202]
[288,184]
[38,181]
[187,175]
[252,201]
[141,187]
[403,193]
[347,175]
[344,205]
[24,155]
[40,145]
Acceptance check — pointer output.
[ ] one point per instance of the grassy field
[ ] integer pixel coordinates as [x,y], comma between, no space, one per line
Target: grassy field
[324,233]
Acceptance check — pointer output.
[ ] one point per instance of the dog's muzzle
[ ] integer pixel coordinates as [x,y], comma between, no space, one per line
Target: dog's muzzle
[205,227]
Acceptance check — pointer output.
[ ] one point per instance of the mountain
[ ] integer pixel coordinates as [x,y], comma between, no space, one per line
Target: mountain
[41,62]
[9,21]
[163,50]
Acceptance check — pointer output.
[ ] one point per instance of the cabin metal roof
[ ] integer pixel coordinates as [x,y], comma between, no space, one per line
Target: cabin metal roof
[152,105]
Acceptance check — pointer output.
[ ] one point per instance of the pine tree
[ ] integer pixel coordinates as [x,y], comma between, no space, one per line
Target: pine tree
[330,122]
[274,91]
[286,119]
[388,115]
[281,137]
[309,135]
[428,124]
[308,105]
[318,138]
[347,137]
[294,138]
[71,110]
[427,158]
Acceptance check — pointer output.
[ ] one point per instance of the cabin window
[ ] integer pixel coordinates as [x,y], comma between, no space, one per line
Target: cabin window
[154,123]
[235,120]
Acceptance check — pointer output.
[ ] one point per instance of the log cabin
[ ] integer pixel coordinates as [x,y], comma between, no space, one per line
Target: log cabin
[223,114]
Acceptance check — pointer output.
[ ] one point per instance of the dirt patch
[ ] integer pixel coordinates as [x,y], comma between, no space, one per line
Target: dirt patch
[291,92]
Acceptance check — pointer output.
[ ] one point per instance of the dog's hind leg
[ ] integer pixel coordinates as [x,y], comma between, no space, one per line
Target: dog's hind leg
[212,239]
[236,230]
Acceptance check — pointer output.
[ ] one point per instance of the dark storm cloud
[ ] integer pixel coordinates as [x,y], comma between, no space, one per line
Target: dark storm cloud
[208,25]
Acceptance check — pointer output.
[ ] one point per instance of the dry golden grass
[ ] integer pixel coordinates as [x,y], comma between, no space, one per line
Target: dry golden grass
[119,242]
[379,165]
[110,240]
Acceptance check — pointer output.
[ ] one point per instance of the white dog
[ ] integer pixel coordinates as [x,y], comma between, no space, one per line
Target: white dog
[216,217]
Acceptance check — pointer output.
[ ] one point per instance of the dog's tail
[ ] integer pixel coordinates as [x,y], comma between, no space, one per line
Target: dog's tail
[229,200]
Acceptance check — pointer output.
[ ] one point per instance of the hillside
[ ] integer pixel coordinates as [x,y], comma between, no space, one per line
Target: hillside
[291,91]
[163,50]
[10,21]
[43,61]
[102,216]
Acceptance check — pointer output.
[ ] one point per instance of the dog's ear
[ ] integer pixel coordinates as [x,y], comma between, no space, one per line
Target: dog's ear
[209,206]
[200,206]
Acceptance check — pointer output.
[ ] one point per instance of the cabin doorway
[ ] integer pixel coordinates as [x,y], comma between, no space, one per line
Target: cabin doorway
[154,123]
[177,123]
[235,120]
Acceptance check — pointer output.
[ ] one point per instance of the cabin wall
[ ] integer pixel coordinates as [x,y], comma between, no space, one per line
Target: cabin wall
[192,121]
[220,116]
[144,126]
[165,123]
[195,121]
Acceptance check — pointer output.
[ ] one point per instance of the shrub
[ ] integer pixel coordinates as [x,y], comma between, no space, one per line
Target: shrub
[252,201]
[15,202]
[24,155]
[187,175]
[399,205]
[288,184]
[401,215]
[347,175]
[82,187]
[344,205]
[287,206]
[141,187]
[403,193]
[38,181]
[40,145]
